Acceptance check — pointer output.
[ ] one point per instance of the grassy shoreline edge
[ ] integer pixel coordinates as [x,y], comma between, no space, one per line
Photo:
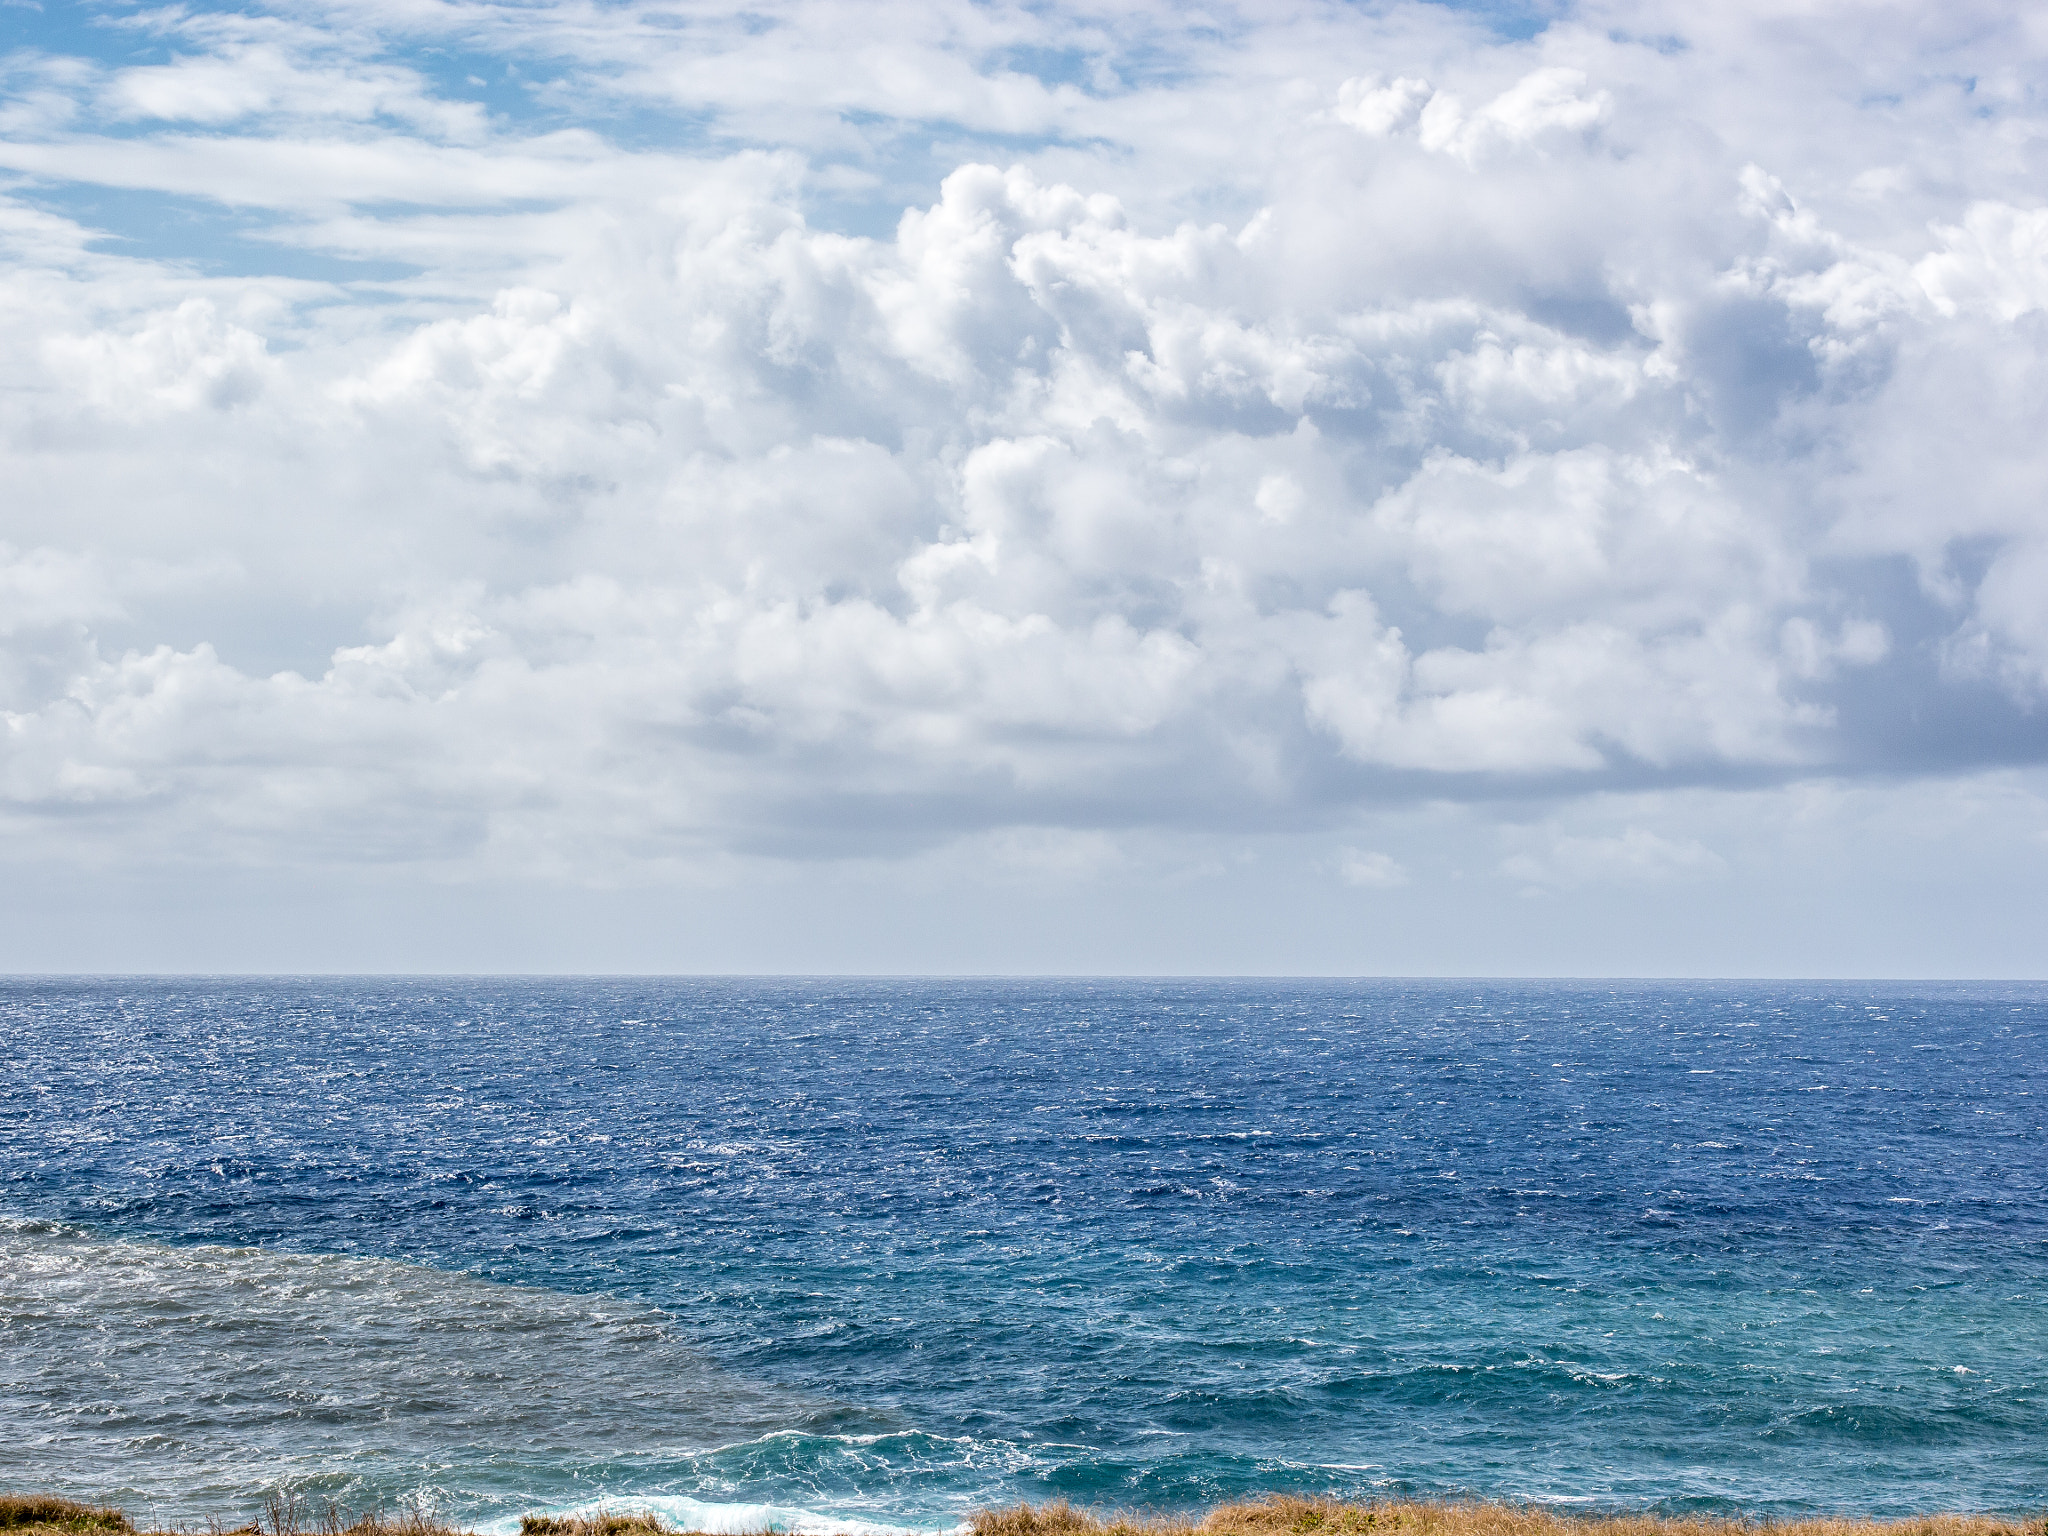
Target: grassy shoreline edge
[1275,1515]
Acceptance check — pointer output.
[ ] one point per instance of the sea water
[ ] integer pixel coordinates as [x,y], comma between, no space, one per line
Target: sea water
[825,1253]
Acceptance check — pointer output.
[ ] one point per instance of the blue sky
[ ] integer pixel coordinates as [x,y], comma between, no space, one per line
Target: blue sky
[994,487]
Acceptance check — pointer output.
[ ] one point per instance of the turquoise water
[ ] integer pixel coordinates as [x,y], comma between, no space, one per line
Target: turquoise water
[835,1252]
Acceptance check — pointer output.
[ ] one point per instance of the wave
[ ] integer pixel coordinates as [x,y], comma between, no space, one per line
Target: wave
[733,1519]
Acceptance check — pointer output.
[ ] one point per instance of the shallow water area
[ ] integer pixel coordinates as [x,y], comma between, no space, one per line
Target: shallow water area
[884,1252]
[198,1378]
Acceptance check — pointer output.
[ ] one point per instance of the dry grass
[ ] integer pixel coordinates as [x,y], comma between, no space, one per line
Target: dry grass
[600,1524]
[37,1512]
[38,1515]
[285,1515]
[1283,1516]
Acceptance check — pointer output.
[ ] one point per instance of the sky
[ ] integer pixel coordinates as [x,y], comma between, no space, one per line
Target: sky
[812,486]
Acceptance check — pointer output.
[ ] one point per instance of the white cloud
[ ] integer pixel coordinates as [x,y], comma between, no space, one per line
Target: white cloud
[1996,260]
[243,80]
[1545,102]
[1338,410]
[177,359]
[1377,871]
[1634,856]
[1380,108]
[46,588]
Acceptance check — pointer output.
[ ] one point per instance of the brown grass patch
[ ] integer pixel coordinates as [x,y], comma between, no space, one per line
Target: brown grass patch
[40,1512]
[1286,1516]
[599,1524]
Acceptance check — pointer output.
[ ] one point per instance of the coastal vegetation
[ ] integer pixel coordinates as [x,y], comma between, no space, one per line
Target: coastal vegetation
[36,1515]
[41,1515]
[1284,1516]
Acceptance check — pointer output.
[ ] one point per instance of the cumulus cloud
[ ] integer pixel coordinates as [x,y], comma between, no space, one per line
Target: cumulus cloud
[1339,411]
[1551,100]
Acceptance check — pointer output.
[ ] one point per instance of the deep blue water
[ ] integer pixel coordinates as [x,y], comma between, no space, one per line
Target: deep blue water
[890,1250]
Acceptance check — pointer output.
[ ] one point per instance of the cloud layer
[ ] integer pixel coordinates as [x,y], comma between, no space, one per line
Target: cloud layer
[567,439]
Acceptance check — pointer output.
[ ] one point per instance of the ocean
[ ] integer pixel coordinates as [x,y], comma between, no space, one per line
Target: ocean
[834,1254]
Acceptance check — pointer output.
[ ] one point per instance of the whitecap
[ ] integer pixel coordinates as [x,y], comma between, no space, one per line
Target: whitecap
[732,1519]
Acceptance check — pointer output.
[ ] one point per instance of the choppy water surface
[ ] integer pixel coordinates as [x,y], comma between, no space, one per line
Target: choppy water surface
[886,1251]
